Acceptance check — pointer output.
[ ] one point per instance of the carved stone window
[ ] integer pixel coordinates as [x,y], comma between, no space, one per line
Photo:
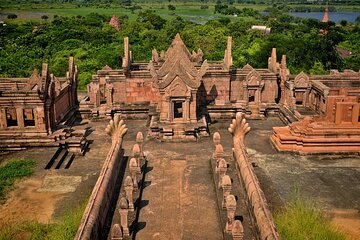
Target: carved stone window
[11,118]
[29,119]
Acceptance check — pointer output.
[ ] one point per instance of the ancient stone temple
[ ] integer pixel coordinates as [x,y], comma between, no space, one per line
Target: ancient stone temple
[328,109]
[34,109]
[180,93]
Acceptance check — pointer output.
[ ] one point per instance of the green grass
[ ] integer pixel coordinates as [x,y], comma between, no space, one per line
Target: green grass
[63,229]
[12,171]
[300,220]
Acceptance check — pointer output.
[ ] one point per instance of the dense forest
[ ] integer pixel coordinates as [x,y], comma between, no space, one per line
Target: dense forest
[24,45]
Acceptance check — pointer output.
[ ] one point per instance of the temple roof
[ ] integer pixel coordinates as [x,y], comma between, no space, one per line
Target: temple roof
[177,62]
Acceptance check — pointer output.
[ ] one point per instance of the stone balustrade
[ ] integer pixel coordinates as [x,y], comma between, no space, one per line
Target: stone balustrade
[264,220]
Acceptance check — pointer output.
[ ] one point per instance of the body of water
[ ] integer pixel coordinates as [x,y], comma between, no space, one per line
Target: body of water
[333,16]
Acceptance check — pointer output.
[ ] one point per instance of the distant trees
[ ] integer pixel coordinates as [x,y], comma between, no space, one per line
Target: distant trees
[171,7]
[12,16]
[357,20]
[24,46]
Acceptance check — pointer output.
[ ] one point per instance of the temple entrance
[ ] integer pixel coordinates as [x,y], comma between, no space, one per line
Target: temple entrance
[178,109]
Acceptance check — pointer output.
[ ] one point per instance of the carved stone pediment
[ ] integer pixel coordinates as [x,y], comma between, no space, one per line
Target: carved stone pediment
[177,88]
[253,78]
[35,81]
[178,63]
[301,80]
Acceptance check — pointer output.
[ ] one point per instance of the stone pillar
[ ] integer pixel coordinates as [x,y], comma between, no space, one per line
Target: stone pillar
[226,187]
[237,231]
[129,188]
[221,170]
[216,138]
[109,97]
[20,117]
[246,94]
[171,110]
[124,216]
[3,118]
[136,152]
[116,233]
[140,141]
[218,152]
[134,169]
[230,212]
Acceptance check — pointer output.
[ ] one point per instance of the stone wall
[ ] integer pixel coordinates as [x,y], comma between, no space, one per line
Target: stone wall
[97,208]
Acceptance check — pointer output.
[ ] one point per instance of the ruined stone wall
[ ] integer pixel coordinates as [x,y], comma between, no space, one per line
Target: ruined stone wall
[62,104]
[237,90]
[140,89]
[217,86]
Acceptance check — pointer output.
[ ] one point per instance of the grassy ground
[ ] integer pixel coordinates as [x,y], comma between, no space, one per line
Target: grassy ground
[300,220]
[12,171]
[64,229]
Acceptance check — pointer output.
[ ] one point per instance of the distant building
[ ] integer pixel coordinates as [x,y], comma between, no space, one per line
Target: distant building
[264,29]
[114,22]
[344,53]
[326,15]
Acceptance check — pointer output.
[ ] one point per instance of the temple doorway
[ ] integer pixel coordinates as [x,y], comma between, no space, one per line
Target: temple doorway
[178,109]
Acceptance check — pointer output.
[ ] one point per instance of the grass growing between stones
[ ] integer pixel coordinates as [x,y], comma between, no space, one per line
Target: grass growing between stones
[12,171]
[63,229]
[300,220]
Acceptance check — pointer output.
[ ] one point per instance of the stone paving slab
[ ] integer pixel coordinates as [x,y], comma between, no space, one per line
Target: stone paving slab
[181,198]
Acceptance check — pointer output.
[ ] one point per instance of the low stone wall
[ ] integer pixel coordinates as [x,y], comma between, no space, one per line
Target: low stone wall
[260,210]
[98,206]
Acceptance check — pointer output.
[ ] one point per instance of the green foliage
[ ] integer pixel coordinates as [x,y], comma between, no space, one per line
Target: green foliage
[171,7]
[64,229]
[94,44]
[318,69]
[12,171]
[301,220]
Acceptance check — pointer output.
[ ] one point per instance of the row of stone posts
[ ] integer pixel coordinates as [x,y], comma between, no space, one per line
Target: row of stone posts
[130,186]
[233,227]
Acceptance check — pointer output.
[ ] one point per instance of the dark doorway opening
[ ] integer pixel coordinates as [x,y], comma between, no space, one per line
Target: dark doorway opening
[251,98]
[178,109]
[11,118]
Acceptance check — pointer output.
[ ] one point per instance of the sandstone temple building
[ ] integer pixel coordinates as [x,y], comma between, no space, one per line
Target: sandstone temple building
[180,94]
[36,110]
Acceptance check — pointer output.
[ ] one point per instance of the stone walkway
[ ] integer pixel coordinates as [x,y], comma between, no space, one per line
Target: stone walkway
[179,199]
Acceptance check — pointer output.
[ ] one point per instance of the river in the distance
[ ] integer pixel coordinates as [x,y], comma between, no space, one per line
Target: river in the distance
[333,16]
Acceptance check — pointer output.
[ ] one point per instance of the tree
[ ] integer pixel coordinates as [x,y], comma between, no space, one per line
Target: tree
[357,20]
[171,7]
[12,16]
[44,17]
